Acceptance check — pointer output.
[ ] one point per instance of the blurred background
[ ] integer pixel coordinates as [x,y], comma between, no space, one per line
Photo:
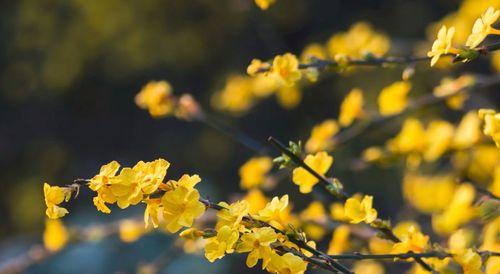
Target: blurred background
[69,71]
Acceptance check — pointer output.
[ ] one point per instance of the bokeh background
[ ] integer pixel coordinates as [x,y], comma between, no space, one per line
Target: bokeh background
[69,71]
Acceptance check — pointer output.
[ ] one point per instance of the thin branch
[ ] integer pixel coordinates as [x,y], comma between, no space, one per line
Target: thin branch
[408,255]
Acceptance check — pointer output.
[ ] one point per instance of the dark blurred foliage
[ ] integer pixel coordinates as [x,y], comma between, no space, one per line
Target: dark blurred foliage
[69,70]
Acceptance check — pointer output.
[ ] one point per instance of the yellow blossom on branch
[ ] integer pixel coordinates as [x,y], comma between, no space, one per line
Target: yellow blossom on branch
[319,162]
[276,212]
[482,27]
[413,240]
[360,210]
[287,263]
[442,45]
[221,244]
[321,136]
[54,196]
[258,244]
[393,99]
[232,215]
[253,172]
[157,98]
[256,200]
[285,69]
[470,262]
[351,108]
[491,124]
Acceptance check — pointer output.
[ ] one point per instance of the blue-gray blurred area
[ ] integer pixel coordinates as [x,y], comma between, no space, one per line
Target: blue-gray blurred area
[69,71]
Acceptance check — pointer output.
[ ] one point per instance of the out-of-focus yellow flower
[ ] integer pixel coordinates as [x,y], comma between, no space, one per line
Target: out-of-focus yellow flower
[411,138]
[450,86]
[314,212]
[223,243]
[459,211]
[337,212]
[492,265]
[276,212]
[491,124]
[490,235]
[258,244]
[360,211]
[393,99]
[495,185]
[468,131]
[402,228]
[484,159]
[482,27]
[311,52]
[319,162]
[358,41]
[55,235]
[460,240]
[442,45]
[256,200]
[264,4]
[256,66]
[413,240]
[373,154]
[379,246]
[130,231]
[439,136]
[428,194]
[157,98]
[470,261]
[289,96]
[321,136]
[286,264]
[180,207]
[54,196]
[368,267]
[351,108]
[285,69]
[253,172]
[236,96]
[340,240]
[232,214]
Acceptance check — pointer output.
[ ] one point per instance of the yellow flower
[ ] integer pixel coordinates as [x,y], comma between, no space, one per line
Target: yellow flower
[256,66]
[393,99]
[340,240]
[413,240]
[54,196]
[286,264]
[125,187]
[191,233]
[321,136]
[100,204]
[55,235]
[429,194]
[495,185]
[150,175]
[373,154]
[368,267]
[256,200]
[482,27]
[130,231]
[157,98]
[460,240]
[289,96]
[442,45]
[411,138]
[491,124]
[358,211]
[253,172]
[276,212]
[314,212]
[264,4]
[449,86]
[180,207]
[468,131]
[470,261]
[102,179]
[236,96]
[232,214]
[439,136]
[223,243]
[319,162]
[337,212]
[492,265]
[258,244]
[187,181]
[152,212]
[459,211]
[351,108]
[285,69]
